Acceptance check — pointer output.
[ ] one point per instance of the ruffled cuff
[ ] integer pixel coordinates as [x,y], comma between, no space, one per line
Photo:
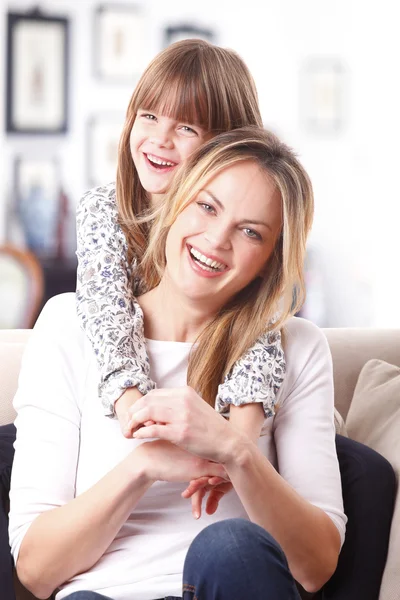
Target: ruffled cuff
[256,377]
[115,385]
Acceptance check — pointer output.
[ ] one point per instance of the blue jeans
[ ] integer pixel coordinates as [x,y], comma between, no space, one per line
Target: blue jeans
[233,559]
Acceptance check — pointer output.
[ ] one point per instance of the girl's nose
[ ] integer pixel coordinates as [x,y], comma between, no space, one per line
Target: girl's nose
[162,137]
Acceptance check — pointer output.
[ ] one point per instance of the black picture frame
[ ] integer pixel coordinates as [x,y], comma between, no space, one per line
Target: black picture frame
[119,39]
[175,33]
[37,73]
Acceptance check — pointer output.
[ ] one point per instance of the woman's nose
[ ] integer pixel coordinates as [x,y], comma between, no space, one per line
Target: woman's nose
[218,237]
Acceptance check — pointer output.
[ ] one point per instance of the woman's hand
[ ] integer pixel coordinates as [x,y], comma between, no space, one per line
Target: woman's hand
[198,488]
[163,461]
[183,418]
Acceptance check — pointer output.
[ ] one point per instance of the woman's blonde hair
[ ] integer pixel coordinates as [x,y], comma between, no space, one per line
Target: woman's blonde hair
[193,81]
[269,300]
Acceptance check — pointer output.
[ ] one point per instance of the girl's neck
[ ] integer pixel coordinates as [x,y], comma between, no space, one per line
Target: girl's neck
[169,316]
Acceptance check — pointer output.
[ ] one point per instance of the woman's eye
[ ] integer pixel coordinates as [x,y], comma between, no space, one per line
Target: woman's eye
[206,207]
[254,235]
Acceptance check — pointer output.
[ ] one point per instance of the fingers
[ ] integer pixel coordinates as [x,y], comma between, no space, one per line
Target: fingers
[155,431]
[194,486]
[217,480]
[213,499]
[197,500]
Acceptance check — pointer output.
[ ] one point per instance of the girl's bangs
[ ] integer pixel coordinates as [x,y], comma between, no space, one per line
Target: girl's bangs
[183,99]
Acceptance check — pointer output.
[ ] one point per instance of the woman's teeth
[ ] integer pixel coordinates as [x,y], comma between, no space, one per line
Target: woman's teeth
[159,162]
[208,264]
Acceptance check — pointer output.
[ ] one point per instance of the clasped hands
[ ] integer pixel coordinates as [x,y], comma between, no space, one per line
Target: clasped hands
[180,416]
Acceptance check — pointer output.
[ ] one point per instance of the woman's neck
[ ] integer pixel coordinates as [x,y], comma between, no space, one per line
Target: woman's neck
[169,316]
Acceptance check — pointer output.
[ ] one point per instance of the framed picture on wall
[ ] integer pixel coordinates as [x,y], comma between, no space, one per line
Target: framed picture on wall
[119,42]
[37,73]
[323,95]
[38,188]
[104,132]
[186,31]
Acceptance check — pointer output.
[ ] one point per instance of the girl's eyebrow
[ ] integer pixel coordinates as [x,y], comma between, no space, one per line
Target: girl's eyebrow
[243,221]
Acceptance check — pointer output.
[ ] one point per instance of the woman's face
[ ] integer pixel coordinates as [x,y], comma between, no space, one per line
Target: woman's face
[158,145]
[222,240]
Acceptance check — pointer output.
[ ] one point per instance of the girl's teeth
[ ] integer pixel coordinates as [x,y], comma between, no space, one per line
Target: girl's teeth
[158,161]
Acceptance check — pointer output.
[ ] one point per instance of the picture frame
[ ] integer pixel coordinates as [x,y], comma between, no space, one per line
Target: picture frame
[37,73]
[119,42]
[323,95]
[184,31]
[104,132]
[38,191]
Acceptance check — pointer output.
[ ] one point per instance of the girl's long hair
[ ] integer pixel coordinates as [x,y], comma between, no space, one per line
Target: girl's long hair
[192,81]
[269,300]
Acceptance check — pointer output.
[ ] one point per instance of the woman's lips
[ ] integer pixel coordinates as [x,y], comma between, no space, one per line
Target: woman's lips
[200,270]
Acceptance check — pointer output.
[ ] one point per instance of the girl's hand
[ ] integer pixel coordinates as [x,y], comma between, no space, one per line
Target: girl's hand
[183,418]
[198,488]
[163,461]
[122,406]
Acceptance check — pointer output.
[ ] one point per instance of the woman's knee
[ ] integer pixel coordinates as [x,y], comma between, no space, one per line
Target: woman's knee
[234,540]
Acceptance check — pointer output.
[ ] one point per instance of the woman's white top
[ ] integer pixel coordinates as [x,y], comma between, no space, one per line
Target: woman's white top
[65,444]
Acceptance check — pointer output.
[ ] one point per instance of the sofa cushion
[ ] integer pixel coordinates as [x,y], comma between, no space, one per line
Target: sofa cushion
[374,419]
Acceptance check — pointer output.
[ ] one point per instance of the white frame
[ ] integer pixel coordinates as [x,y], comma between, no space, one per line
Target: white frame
[120,42]
[104,133]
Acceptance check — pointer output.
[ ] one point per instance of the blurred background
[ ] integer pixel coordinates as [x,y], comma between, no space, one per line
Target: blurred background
[328,80]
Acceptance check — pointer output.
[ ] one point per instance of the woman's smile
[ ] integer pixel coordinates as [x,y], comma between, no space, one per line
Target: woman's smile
[205,265]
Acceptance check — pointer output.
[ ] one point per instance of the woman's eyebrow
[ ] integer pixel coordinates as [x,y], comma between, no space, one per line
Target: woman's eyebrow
[242,221]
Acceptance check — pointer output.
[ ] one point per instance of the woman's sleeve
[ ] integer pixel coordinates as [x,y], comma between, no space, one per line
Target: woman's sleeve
[48,417]
[256,377]
[107,310]
[304,430]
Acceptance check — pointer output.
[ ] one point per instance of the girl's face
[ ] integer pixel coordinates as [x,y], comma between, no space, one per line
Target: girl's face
[222,240]
[158,145]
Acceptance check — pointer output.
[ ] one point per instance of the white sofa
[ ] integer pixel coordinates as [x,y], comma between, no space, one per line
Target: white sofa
[351,349]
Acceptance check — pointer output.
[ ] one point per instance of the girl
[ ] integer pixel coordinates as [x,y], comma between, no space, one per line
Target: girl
[91,510]
[190,92]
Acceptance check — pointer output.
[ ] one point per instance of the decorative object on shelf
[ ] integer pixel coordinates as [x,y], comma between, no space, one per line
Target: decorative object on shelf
[119,42]
[104,132]
[21,288]
[186,31]
[37,73]
[322,95]
[38,198]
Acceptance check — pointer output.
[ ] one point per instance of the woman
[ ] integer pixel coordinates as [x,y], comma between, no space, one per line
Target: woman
[91,510]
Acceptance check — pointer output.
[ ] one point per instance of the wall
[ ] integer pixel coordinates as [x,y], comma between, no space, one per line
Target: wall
[354,173]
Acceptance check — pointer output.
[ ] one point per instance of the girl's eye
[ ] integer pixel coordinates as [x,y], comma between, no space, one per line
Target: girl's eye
[188,129]
[206,207]
[149,116]
[254,235]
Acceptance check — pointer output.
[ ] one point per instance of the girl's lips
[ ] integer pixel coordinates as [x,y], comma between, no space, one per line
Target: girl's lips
[155,169]
[202,272]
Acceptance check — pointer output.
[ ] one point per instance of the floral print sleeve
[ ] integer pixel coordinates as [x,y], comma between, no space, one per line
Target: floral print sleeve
[256,377]
[108,312]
